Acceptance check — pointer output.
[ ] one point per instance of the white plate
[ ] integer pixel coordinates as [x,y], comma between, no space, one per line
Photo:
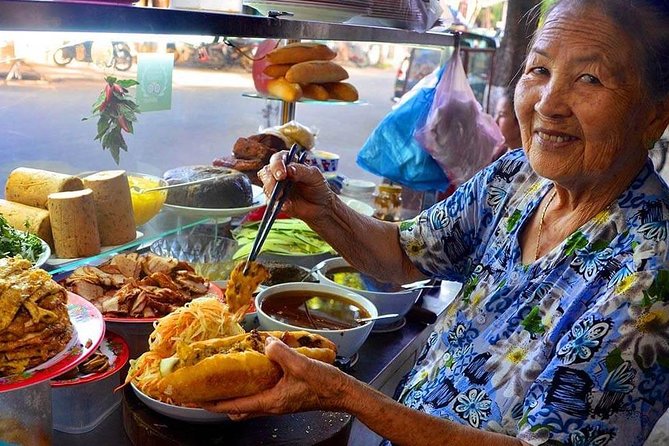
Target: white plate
[185,211]
[188,414]
[46,253]
[56,261]
[358,206]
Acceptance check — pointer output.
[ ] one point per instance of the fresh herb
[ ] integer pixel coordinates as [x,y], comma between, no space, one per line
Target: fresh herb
[116,114]
[14,242]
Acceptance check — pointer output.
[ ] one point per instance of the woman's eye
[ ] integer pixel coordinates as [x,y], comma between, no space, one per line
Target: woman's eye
[541,71]
[590,79]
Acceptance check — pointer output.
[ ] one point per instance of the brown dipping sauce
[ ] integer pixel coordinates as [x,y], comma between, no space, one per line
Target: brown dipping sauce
[312,309]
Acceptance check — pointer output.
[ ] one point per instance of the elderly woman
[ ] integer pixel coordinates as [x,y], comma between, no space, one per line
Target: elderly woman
[561,331]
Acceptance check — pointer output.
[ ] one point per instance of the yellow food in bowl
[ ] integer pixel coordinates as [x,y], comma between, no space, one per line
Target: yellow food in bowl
[146,205]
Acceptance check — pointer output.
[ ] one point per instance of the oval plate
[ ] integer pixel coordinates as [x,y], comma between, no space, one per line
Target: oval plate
[117,352]
[189,414]
[88,331]
[213,288]
[185,211]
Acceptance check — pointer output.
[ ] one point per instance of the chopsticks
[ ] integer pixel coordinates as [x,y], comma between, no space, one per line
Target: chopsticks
[276,200]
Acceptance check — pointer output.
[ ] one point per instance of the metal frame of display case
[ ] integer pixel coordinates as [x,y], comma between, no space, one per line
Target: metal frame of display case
[29,15]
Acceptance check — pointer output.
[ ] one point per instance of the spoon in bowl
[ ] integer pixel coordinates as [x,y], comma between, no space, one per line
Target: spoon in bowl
[140,190]
[361,320]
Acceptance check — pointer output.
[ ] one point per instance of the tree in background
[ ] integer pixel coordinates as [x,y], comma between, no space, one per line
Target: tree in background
[522,18]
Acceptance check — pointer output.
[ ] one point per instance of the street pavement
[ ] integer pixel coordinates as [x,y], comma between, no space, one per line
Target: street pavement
[41,126]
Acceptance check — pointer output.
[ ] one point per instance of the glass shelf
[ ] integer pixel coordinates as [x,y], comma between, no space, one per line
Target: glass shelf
[155,230]
[304,101]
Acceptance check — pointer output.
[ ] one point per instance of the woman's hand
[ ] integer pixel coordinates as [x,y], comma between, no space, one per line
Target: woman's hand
[310,195]
[306,384]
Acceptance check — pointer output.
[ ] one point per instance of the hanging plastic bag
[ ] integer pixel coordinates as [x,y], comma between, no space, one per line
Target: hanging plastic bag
[458,134]
[391,150]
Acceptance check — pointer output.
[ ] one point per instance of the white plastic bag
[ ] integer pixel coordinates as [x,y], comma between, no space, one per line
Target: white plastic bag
[457,133]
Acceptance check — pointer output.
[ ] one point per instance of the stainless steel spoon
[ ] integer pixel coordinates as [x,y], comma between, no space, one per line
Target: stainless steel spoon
[140,190]
[376,318]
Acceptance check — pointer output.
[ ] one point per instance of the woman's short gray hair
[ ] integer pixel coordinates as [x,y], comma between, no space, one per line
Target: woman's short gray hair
[646,23]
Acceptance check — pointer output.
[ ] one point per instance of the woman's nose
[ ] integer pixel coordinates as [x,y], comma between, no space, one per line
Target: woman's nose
[553,102]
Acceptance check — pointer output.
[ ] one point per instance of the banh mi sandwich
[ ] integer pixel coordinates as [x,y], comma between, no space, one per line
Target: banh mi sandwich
[232,367]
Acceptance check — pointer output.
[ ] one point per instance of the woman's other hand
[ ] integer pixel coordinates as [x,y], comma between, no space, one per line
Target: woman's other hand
[306,384]
[310,195]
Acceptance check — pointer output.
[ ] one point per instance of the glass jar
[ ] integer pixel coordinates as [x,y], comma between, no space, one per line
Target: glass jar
[359,189]
[388,202]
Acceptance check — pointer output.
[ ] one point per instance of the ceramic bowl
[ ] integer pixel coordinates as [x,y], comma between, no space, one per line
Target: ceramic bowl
[399,302]
[348,341]
[327,162]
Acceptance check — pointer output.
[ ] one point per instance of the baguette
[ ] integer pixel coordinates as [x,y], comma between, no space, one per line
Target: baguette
[284,90]
[277,70]
[300,52]
[235,366]
[316,72]
[342,91]
[315,91]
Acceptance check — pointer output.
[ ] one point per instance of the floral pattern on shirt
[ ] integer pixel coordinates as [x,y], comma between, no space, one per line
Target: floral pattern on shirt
[573,348]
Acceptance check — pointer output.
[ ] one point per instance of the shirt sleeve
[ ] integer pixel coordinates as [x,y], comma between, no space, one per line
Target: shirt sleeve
[608,380]
[442,241]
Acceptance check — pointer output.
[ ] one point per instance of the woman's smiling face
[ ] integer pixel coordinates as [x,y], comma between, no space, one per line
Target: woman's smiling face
[580,102]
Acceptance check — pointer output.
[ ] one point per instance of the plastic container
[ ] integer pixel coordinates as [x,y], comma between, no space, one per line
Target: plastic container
[359,189]
[25,415]
[81,404]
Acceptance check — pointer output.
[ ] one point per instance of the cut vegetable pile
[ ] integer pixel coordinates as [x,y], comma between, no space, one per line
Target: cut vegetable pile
[14,242]
[287,237]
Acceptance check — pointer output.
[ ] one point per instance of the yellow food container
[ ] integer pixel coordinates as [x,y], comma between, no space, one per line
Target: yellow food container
[146,205]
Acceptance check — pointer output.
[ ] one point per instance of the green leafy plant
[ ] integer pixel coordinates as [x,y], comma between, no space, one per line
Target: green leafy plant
[116,113]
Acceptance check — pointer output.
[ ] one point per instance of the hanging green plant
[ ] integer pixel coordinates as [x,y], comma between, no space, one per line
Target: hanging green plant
[116,113]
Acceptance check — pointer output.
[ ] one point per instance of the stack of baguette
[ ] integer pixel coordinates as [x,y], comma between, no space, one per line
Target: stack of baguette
[74,216]
[305,70]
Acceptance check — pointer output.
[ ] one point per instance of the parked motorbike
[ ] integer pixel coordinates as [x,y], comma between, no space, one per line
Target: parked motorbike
[121,58]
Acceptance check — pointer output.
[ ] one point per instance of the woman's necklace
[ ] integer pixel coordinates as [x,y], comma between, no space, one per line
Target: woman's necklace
[541,224]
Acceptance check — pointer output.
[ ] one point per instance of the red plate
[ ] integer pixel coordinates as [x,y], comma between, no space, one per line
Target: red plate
[115,349]
[143,320]
[89,329]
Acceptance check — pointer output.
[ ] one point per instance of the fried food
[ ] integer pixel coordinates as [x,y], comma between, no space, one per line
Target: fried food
[133,285]
[240,287]
[34,322]
[232,367]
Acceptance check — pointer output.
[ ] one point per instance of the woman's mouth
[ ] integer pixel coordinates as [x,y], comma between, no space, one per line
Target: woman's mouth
[555,137]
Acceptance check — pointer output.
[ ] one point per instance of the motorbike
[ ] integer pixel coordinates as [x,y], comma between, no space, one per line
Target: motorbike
[121,58]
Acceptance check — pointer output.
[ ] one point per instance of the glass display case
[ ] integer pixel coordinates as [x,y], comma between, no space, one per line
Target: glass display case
[47,52]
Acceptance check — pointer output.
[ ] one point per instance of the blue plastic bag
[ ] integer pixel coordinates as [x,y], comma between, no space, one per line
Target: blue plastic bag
[392,152]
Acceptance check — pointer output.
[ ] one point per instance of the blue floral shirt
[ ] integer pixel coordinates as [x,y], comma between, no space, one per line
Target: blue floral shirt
[573,348]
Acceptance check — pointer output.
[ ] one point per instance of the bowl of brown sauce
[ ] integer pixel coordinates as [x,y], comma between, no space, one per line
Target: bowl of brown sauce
[323,309]
[387,297]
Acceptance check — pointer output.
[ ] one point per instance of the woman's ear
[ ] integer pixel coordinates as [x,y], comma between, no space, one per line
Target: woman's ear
[658,122]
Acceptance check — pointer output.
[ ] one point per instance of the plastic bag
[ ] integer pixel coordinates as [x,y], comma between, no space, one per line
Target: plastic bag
[392,152]
[457,133]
